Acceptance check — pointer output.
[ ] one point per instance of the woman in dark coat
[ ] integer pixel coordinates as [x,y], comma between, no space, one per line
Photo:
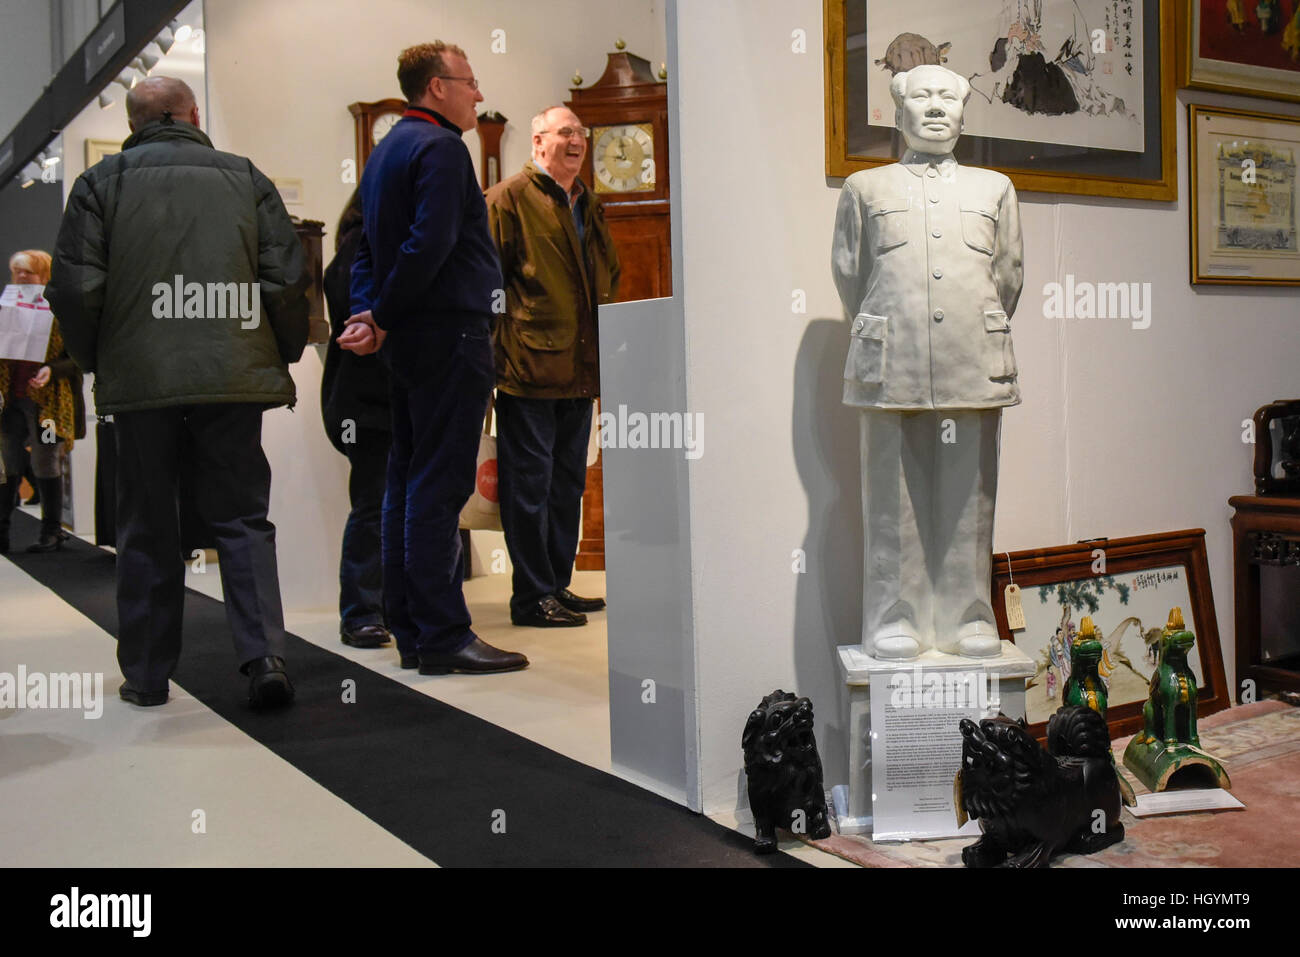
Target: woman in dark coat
[355,408]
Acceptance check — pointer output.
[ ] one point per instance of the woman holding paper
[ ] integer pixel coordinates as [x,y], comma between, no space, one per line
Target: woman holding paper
[43,408]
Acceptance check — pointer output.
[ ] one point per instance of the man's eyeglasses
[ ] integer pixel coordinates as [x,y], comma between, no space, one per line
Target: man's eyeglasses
[566,132]
[473,83]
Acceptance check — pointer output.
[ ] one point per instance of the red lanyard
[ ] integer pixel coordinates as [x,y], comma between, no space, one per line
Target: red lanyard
[421,115]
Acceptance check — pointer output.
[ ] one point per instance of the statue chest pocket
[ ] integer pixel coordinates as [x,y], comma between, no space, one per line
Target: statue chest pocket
[887,222]
[978,228]
[866,360]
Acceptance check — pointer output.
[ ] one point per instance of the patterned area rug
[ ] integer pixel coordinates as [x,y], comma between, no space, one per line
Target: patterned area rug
[1258,745]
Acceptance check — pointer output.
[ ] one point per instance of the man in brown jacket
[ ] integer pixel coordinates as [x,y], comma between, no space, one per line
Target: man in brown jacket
[559,264]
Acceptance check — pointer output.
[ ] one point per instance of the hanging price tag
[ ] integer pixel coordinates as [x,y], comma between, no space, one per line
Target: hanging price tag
[1015,611]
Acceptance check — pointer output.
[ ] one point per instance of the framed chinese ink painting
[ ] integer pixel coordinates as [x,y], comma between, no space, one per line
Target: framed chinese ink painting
[1067,96]
[1244,192]
[1127,586]
[1250,47]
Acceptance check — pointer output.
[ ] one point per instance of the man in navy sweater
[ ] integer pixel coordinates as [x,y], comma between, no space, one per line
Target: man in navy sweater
[423,285]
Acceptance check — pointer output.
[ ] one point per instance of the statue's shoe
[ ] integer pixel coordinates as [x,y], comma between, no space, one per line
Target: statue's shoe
[897,640]
[978,639]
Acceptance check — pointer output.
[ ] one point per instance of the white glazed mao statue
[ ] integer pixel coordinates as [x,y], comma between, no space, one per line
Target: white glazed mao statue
[927,259]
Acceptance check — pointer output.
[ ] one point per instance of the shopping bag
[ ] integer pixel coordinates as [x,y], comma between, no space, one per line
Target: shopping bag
[483,510]
[25,322]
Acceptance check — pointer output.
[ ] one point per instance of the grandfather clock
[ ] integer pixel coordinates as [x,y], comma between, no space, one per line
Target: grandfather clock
[627,167]
[373,121]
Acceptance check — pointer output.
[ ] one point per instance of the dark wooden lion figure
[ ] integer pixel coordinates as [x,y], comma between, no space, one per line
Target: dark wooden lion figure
[1032,803]
[784,770]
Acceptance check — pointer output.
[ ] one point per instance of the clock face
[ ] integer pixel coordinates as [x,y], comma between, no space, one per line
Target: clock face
[623,159]
[383,123]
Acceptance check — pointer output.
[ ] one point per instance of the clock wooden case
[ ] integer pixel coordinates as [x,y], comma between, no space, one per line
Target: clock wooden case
[627,167]
[373,121]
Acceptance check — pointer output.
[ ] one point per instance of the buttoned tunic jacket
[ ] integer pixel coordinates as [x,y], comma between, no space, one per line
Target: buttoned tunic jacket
[927,258]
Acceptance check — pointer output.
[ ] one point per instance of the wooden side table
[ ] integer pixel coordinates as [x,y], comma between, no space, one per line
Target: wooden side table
[1266,537]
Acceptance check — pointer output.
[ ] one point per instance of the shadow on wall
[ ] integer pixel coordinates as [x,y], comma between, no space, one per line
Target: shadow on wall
[828,596]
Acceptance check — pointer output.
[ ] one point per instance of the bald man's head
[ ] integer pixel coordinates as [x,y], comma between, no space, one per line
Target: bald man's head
[156,97]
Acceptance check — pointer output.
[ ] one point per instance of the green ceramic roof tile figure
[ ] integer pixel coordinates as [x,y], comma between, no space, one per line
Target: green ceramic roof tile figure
[1168,742]
[1084,685]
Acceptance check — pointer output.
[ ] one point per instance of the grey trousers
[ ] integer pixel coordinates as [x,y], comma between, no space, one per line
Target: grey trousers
[929,480]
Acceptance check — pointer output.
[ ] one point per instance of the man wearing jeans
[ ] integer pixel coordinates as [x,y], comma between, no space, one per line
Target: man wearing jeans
[559,264]
[423,285]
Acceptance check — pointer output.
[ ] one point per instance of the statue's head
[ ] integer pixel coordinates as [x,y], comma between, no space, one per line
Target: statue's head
[930,101]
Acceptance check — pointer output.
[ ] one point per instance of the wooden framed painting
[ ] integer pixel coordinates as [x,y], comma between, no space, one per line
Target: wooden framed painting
[1127,586]
[1250,47]
[1244,192]
[1067,96]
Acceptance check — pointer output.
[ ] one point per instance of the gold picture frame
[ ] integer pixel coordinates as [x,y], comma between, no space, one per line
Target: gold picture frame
[1244,188]
[1033,166]
[96,150]
[1261,68]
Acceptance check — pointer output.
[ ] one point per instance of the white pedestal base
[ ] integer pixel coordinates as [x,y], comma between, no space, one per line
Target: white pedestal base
[853,802]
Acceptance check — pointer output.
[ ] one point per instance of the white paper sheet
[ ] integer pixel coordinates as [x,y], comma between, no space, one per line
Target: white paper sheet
[25,321]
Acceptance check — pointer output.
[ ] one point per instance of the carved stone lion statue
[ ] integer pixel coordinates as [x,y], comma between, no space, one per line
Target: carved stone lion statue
[1033,803]
[784,770]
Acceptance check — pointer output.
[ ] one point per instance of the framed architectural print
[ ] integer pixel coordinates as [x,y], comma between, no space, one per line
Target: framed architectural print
[1251,47]
[1127,586]
[1243,208]
[1067,96]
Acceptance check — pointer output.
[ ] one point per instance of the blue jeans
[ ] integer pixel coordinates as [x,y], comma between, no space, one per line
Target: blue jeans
[542,473]
[439,401]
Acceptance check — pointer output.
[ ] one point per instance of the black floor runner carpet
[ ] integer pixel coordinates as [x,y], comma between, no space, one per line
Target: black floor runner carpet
[435,777]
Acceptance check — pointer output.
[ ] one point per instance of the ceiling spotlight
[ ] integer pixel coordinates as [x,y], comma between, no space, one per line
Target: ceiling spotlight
[184,33]
[31,173]
[165,40]
[105,101]
[125,79]
[147,61]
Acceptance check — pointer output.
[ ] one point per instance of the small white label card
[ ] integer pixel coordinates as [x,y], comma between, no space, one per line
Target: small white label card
[1182,802]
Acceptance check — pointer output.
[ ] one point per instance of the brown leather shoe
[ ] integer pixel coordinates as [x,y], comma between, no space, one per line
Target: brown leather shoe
[366,636]
[476,658]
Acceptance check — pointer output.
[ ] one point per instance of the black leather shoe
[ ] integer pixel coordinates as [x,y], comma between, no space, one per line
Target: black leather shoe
[145,699]
[268,685]
[410,661]
[48,542]
[476,658]
[549,613]
[576,603]
[366,636]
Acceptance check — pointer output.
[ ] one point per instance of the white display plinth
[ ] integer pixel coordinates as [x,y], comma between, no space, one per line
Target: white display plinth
[1007,672]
